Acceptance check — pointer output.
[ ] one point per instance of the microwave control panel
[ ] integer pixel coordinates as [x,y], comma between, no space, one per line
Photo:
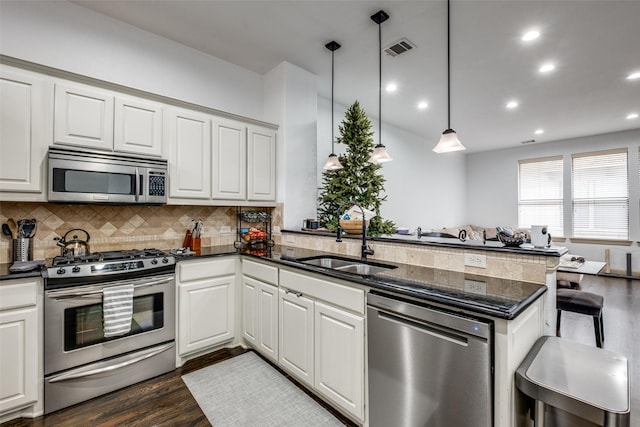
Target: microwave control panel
[157,183]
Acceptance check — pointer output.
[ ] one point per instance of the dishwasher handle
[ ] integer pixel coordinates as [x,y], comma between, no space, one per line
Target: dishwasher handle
[458,322]
[424,328]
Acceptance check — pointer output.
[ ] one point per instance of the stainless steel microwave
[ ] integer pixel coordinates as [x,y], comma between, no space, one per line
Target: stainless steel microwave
[86,176]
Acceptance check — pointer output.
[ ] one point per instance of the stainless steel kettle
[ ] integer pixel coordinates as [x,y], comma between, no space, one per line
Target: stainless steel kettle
[75,247]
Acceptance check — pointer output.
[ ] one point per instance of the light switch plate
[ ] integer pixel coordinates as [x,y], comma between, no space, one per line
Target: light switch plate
[475,260]
[225,229]
[291,238]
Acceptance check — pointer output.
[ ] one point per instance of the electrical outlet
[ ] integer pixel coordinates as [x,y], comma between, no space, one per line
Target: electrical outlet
[475,287]
[475,260]
[225,229]
[291,238]
[276,229]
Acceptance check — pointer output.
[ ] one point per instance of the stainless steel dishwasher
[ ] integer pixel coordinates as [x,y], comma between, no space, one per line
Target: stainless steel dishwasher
[428,367]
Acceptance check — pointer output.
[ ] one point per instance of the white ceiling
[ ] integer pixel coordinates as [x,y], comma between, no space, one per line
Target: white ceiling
[595,44]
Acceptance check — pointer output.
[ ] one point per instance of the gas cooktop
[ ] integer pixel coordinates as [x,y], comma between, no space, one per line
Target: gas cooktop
[115,264]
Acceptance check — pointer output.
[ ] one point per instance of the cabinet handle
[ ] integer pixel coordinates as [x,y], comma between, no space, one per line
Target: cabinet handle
[298,294]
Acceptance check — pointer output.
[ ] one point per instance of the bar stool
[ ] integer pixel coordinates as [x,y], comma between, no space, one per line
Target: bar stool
[583,303]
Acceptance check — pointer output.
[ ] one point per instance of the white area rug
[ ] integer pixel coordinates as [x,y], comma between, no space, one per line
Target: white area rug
[247,391]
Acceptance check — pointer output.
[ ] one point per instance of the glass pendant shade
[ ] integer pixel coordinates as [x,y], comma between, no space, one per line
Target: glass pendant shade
[448,142]
[379,155]
[332,163]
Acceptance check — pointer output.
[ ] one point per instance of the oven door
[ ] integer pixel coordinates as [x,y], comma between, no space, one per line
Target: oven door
[74,333]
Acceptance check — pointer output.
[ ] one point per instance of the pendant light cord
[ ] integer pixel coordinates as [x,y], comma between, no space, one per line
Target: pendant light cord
[448,71]
[379,83]
[332,73]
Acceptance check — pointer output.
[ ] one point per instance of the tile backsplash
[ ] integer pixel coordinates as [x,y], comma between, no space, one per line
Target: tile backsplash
[121,227]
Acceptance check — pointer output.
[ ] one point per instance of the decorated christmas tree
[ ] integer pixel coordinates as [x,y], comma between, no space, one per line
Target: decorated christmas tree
[358,182]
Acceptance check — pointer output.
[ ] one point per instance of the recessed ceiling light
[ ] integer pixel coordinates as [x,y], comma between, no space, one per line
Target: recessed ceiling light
[547,68]
[632,116]
[422,105]
[391,87]
[539,131]
[530,35]
[634,75]
[511,104]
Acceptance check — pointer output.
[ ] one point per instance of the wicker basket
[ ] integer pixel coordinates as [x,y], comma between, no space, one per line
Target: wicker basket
[352,226]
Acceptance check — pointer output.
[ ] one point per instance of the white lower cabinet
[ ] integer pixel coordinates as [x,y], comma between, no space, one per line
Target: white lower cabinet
[260,316]
[296,335]
[322,338]
[339,356]
[20,347]
[206,301]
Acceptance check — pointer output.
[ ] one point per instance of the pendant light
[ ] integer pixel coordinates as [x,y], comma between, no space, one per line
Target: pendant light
[333,162]
[449,140]
[379,154]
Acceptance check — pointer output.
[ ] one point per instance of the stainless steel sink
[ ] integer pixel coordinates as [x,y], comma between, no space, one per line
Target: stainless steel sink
[347,265]
[327,262]
[365,269]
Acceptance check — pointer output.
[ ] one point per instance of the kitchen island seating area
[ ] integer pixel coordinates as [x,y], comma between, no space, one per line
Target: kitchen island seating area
[581,302]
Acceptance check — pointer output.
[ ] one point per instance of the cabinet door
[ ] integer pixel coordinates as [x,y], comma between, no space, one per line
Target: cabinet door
[189,142]
[137,126]
[261,164]
[206,313]
[260,316]
[296,335]
[229,161]
[18,358]
[83,116]
[339,357]
[267,305]
[250,313]
[24,103]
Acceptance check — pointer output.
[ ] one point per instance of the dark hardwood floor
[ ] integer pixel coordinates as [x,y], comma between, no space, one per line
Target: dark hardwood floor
[160,401]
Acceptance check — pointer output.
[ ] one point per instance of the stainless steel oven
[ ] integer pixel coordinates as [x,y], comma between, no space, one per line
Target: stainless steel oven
[80,361]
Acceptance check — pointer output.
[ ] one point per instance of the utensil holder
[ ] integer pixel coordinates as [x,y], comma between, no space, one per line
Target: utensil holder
[22,249]
[196,244]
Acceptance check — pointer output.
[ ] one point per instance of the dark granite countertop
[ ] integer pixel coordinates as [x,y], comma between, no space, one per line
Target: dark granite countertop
[503,298]
[489,245]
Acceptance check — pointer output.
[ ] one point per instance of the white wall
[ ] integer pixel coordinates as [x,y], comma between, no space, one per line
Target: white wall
[423,188]
[492,188]
[72,38]
[291,99]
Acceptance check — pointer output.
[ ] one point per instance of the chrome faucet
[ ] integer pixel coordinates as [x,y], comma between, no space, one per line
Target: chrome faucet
[365,249]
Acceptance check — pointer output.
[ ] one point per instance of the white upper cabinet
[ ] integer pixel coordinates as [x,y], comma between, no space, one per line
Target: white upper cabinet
[229,160]
[25,112]
[189,142]
[95,118]
[83,116]
[261,164]
[137,126]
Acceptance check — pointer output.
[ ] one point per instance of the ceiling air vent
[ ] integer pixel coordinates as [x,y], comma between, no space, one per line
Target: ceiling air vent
[401,46]
[528,141]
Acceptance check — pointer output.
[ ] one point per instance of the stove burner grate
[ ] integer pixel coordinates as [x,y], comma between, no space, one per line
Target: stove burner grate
[108,256]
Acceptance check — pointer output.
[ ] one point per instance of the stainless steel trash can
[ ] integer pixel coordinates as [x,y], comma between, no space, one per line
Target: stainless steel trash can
[575,384]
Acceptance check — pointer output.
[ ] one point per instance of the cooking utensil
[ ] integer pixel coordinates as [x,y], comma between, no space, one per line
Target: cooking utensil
[13,226]
[6,230]
[26,228]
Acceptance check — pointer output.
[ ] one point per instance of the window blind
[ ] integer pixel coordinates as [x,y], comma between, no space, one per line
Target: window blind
[600,195]
[540,197]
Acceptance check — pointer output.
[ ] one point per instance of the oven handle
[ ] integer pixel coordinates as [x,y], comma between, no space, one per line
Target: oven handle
[97,290]
[87,371]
